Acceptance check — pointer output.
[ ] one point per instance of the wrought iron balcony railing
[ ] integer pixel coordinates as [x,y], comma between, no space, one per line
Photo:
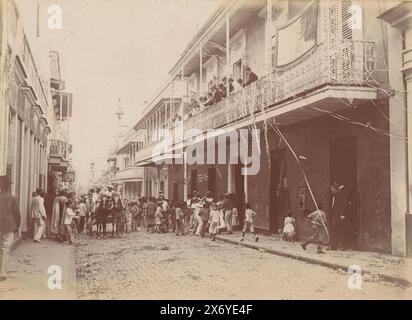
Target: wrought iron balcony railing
[352,63]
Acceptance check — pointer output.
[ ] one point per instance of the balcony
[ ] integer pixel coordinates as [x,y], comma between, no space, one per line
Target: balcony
[131,174]
[58,149]
[350,65]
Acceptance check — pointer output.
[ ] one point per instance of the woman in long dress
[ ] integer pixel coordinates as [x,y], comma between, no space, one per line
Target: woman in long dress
[57,221]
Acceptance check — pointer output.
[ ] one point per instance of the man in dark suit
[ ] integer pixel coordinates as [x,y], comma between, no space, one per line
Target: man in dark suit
[250,77]
[9,223]
[338,206]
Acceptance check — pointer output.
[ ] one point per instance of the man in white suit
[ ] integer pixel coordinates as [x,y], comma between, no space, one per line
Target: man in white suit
[38,214]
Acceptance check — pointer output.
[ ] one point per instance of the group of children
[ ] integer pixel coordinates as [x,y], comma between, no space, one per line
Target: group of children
[318,223]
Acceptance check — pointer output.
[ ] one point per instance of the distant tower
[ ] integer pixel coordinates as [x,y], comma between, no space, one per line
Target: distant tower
[92,174]
[119,112]
[119,115]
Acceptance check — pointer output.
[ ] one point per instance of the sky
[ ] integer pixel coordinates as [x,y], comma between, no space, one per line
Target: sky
[111,49]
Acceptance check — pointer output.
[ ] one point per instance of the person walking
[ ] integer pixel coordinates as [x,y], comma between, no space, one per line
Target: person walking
[82,215]
[249,214]
[38,214]
[9,223]
[214,219]
[59,207]
[318,220]
[180,229]
[48,204]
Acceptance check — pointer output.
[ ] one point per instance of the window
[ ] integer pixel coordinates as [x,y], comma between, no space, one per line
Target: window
[237,70]
[348,13]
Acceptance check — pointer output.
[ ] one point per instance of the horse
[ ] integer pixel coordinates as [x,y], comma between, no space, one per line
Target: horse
[102,212]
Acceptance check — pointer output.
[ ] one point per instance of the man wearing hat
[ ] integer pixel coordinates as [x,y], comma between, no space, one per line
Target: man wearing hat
[338,206]
[9,223]
[38,214]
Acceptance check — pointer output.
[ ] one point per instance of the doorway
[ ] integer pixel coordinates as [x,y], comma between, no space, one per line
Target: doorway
[239,197]
[211,180]
[344,169]
[193,181]
[278,193]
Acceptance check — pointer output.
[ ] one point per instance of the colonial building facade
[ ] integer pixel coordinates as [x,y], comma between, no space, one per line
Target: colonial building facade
[27,114]
[319,112]
[398,16]
[124,176]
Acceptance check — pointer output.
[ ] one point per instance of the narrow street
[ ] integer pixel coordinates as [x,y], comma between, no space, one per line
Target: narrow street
[152,266]
[286,120]
[163,266]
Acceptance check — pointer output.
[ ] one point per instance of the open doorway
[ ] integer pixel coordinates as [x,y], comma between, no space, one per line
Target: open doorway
[278,194]
[344,169]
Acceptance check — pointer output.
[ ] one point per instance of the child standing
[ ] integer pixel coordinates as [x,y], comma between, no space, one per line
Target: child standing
[235,218]
[135,211]
[158,218]
[214,220]
[179,221]
[249,214]
[129,218]
[289,232]
[68,219]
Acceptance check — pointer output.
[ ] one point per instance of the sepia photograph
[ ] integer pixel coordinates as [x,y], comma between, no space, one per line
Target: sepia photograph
[189,151]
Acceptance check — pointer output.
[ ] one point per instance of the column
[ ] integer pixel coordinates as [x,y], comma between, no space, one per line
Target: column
[166,117]
[32,164]
[398,148]
[4,130]
[159,124]
[17,157]
[36,163]
[22,165]
[227,52]
[144,183]
[200,69]
[158,182]
[184,176]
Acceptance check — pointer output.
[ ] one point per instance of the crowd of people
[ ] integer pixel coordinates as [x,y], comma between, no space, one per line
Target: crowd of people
[199,215]
[62,216]
[65,214]
[217,93]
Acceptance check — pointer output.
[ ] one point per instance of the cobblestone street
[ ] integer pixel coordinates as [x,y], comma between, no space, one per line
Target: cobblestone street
[153,266]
